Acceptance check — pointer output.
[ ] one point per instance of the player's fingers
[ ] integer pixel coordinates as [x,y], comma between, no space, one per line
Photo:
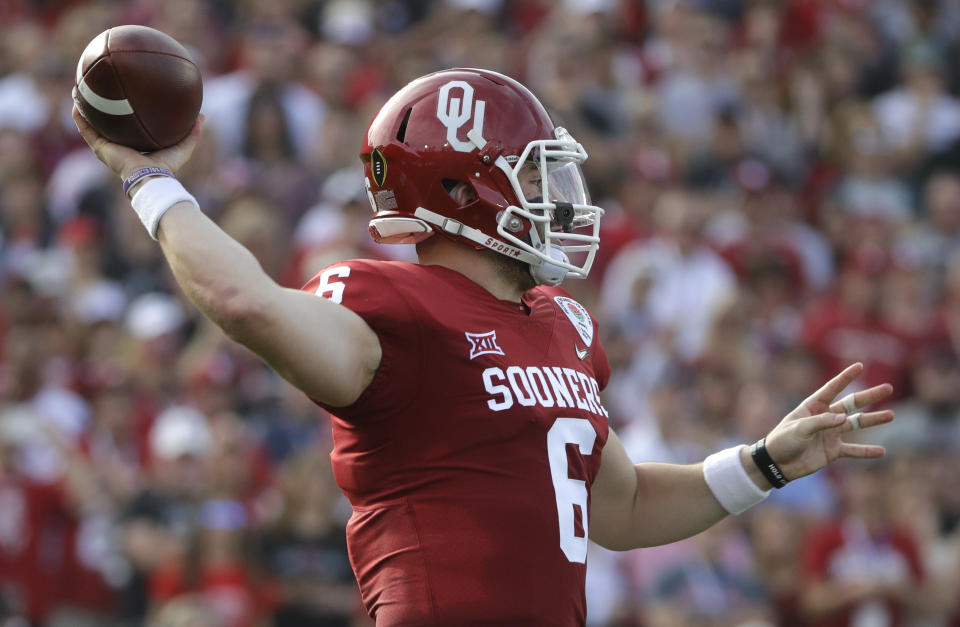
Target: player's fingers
[834,386]
[195,130]
[861,451]
[115,156]
[86,131]
[811,424]
[865,420]
[857,400]
[194,135]
[111,154]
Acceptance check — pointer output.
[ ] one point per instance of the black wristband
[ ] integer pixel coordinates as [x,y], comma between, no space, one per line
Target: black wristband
[761,457]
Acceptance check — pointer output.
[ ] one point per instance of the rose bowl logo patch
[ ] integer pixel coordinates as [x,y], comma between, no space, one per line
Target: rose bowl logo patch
[579,317]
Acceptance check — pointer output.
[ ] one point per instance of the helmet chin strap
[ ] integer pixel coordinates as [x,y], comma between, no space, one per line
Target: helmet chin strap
[543,272]
[547,273]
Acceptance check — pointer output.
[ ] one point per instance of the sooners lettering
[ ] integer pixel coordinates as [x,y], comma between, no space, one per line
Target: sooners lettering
[559,387]
[521,386]
[546,387]
[502,391]
[571,375]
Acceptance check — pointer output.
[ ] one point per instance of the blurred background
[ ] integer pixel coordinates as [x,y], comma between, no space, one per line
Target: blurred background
[782,186]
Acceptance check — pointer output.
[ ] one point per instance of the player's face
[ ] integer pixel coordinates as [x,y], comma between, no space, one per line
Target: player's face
[531,185]
[529,177]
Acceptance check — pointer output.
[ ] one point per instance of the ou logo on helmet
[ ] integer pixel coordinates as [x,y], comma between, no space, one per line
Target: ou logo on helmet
[455,112]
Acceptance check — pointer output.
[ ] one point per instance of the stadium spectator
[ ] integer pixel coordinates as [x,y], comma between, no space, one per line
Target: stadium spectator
[158,520]
[675,281]
[860,567]
[215,567]
[304,550]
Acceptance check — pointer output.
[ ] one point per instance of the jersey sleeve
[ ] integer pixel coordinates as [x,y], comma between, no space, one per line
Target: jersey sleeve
[367,288]
[601,365]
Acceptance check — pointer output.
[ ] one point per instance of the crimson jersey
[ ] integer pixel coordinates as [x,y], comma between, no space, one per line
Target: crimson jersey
[469,458]
[34,523]
[844,551]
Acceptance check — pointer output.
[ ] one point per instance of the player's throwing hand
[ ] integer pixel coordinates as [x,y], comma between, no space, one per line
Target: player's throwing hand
[123,160]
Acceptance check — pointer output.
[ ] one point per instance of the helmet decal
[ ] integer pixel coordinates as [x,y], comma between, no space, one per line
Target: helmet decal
[378,167]
[455,112]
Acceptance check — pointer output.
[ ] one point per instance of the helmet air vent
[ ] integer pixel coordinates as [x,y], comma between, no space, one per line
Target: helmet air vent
[402,131]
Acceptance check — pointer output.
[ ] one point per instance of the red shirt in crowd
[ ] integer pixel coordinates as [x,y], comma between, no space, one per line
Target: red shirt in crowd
[846,551]
[228,589]
[34,531]
[839,337]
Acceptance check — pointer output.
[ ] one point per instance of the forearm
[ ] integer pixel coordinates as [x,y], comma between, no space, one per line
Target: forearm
[672,502]
[649,504]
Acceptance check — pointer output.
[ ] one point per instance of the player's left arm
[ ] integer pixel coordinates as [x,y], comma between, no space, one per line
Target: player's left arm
[647,504]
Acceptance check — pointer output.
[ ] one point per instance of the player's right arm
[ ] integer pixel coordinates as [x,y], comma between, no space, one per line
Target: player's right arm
[324,349]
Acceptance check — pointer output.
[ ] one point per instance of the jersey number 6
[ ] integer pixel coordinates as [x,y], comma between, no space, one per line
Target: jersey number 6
[334,288]
[570,492]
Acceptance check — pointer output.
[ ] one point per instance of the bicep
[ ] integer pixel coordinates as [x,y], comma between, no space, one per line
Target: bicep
[612,494]
[323,348]
[648,504]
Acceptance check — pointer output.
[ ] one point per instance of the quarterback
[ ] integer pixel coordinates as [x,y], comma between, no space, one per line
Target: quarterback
[470,433]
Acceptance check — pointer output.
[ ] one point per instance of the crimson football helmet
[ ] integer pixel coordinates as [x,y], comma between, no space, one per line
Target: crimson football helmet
[480,128]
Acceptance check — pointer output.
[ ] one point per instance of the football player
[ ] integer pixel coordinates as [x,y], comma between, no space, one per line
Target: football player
[470,435]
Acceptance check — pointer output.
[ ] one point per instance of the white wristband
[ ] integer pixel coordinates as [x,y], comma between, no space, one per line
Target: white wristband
[729,481]
[155,196]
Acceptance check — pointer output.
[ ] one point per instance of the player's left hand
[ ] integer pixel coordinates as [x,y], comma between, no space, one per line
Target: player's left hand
[809,437]
[124,161]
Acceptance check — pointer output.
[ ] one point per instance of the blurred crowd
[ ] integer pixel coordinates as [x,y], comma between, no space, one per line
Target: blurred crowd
[782,186]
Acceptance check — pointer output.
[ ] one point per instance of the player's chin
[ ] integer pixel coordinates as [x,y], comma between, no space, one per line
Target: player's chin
[514,270]
[526,281]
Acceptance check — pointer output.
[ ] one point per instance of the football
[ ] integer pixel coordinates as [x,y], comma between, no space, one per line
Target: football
[138,87]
